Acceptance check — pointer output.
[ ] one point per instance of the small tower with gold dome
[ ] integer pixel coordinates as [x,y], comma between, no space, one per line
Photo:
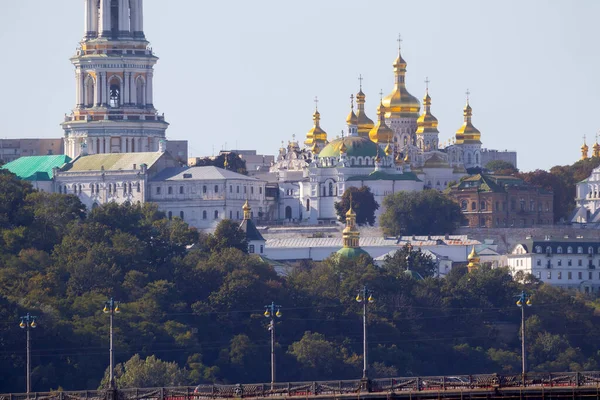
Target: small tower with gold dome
[402,108]
[351,236]
[364,123]
[316,135]
[381,133]
[352,119]
[584,150]
[468,138]
[474,261]
[256,241]
[427,125]
[596,149]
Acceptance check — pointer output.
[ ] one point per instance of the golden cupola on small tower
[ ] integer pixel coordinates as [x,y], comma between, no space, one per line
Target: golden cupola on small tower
[427,125]
[364,123]
[474,260]
[381,133]
[316,135]
[351,236]
[584,150]
[596,149]
[467,133]
[400,103]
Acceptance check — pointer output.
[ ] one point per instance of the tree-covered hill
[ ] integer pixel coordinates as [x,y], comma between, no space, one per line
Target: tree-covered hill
[194,314]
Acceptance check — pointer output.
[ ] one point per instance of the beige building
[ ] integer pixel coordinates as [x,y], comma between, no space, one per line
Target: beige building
[11,149]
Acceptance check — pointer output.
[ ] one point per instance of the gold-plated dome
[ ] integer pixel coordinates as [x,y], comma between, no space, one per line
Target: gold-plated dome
[352,119]
[596,149]
[400,103]
[584,150]
[427,123]
[316,134]
[467,133]
[365,124]
[246,208]
[474,260]
[381,133]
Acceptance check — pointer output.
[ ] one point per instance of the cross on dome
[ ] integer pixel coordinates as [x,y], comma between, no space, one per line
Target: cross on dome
[467,93]
[360,79]
[427,83]
[352,102]
[316,103]
[399,42]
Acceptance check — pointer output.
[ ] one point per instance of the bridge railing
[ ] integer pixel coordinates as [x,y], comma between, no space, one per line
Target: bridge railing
[483,382]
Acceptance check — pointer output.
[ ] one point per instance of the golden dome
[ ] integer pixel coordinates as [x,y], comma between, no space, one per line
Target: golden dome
[596,149]
[399,160]
[467,133]
[584,150]
[316,134]
[364,123]
[388,150]
[427,123]
[474,260]
[381,133]
[400,103]
[352,119]
[350,212]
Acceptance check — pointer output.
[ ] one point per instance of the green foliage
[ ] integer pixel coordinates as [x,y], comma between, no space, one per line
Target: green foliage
[363,204]
[227,235]
[419,213]
[234,162]
[192,316]
[500,167]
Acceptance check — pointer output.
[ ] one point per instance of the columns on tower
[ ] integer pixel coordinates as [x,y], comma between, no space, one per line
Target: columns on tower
[137,18]
[78,88]
[124,29]
[105,19]
[91,19]
[102,88]
[97,86]
[149,90]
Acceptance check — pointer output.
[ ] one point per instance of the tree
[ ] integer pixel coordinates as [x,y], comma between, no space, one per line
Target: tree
[235,163]
[407,258]
[228,234]
[428,212]
[149,372]
[363,204]
[501,167]
[318,356]
[560,181]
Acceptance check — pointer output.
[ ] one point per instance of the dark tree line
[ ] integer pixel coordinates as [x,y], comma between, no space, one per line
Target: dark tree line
[192,306]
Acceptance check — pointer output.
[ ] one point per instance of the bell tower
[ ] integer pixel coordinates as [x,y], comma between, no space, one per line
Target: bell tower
[114,73]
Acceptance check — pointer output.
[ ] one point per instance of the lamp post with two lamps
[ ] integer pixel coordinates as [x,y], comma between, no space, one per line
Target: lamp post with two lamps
[272,311]
[28,322]
[365,296]
[524,299]
[111,307]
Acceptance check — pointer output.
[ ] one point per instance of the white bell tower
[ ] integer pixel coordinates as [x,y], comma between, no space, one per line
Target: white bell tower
[114,73]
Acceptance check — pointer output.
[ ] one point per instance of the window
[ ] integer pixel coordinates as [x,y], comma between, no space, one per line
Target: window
[549,275]
[482,205]
[180,189]
[522,204]
[531,205]
[590,250]
[204,189]
[569,275]
[538,249]
[245,189]
[463,205]
[170,215]
[216,188]
[260,190]
[569,250]
[330,188]
[579,263]
[157,189]
[570,263]
[129,186]
[230,188]
[307,204]
[204,216]
[539,262]
[251,249]
[262,249]
[559,275]
[238,189]
[92,186]
[580,250]
[237,215]
[590,275]
[538,274]
[230,214]
[497,206]
[252,190]
[473,206]
[580,275]
[216,214]
[548,250]
[170,190]
[560,263]
[559,250]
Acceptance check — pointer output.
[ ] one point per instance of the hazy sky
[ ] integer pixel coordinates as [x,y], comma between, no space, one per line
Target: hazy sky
[244,73]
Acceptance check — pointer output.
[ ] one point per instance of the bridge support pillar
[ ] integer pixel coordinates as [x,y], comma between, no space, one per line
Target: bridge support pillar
[365,385]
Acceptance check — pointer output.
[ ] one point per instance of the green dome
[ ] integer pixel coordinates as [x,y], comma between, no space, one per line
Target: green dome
[356,146]
[350,252]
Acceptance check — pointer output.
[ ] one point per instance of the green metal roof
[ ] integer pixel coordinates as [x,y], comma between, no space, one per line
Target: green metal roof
[36,168]
[356,146]
[114,161]
[352,253]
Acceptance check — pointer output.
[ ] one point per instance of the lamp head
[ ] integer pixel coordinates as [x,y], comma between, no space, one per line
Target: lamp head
[528,302]
[371,299]
[105,310]
[519,303]
[359,298]
[33,324]
[22,324]
[117,309]
[267,314]
[278,314]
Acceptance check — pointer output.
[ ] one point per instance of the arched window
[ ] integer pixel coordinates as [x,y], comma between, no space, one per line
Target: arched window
[538,249]
[473,206]
[140,91]
[216,188]
[469,158]
[97,188]
[216,214]
[92,187]
[288,213]
[59,189]
[204,189]
[330,188]
[204,216]
[580,250]
[559,250]
[137,187]
[569,250]
[114,92]
[181,214]
[590,250]
[170,190]
[482,205]
[476,158]
[463,205]
[129,186]
[548,250]
[89,91]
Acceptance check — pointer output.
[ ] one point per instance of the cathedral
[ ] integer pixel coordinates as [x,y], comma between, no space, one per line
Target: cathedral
[114,110]
[400,151]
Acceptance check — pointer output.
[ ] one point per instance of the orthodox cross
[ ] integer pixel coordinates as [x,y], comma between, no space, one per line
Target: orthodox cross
[381,96]
[360,79]
[427,83]
[316,103]
[467,93]
[352,101]
[399,42]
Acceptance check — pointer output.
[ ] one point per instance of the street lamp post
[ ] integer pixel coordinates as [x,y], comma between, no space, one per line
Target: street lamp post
[524,299]
[272,311]
[27,322]
[365,296]
[111,307]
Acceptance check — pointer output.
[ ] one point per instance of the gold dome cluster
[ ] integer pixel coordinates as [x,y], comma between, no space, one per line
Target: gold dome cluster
[364,123]
[381,133]
[400,103]
[467,133]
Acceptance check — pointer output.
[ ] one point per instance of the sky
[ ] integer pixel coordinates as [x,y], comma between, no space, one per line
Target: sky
[244,74]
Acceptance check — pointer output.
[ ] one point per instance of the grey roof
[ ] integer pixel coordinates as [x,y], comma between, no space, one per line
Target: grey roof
[252,234]
[113,161]
[418,241]
[199,173]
